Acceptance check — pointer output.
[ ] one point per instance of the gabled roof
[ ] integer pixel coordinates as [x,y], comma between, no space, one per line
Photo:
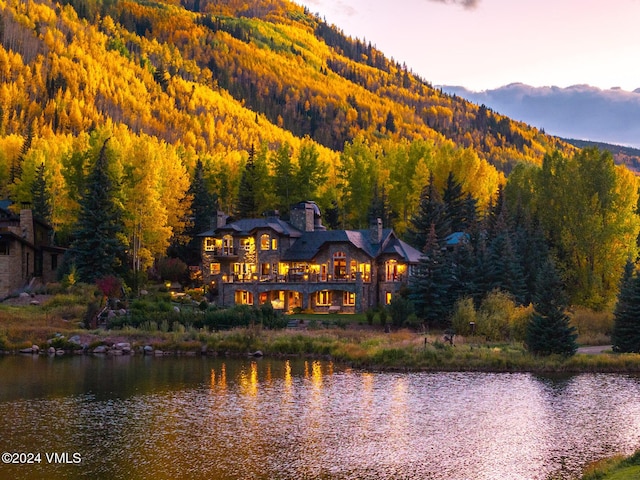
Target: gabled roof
[406,251]
[456,238]
[246,226]
[310,243]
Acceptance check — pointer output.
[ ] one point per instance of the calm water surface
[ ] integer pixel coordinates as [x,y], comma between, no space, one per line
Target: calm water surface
[172,418]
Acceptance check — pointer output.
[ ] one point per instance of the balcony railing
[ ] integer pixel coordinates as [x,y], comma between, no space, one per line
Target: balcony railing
[222,251]
[291,277]
[397,278]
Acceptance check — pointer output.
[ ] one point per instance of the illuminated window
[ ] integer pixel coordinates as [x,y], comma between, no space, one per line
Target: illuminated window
[274,244]
[227,245]
[214,269]
[391,268]
[243,270]
[323,298]
[348,299]
[265,269]
[339,266]
[264,242]
[365,269]
[387,298]
[247,244]
[209,244]
[244,298]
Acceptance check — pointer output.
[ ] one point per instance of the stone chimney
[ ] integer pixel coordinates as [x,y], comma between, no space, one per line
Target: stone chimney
[376,231]
[303,216]
[26,225]
[218,220]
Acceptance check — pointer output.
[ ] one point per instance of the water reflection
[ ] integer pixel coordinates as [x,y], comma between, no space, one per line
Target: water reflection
[221,419]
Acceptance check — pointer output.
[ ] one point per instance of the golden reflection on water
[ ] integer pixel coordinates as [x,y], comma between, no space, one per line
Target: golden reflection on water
[222,379]
[398,413]
[367,411]
[248,381]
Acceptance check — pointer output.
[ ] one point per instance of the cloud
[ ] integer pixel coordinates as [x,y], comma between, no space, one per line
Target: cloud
[467,4]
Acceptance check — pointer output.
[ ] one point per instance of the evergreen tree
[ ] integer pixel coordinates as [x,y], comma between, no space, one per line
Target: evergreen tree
[431,284]
[454,202]
[380,207]
[204,206]
[469,212]
[284,182]
[431,213]
[247,195]
[40,196]
[98,249]
[504,271]
[549,332]
[626,327]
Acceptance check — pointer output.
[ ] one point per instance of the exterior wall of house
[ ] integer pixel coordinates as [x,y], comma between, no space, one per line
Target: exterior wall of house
[16,266]
[342,276]
[25,252]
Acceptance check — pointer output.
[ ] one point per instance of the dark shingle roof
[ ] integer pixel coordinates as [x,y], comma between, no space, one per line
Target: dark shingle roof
[247,225]
[406,251]
[310,243]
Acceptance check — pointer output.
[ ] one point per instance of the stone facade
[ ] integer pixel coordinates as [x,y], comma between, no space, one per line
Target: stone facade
[25,251]
[301,265]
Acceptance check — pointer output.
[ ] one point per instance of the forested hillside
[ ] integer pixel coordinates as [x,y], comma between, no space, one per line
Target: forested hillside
[257,104]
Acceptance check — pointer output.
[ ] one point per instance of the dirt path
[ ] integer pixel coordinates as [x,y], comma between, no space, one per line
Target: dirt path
[593,350]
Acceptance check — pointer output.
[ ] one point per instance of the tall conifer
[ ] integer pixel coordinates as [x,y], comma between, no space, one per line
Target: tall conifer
[431,286]
[98,249]
[431,213]
[204,207]
[626,327]
[41,196]
[549,332]
[247,199]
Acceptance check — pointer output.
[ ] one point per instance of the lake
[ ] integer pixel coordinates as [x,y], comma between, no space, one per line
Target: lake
[204,418]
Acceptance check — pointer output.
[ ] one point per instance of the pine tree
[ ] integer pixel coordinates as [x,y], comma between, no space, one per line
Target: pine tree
[504,270]
[431,213]
[41,197]
[431,284]
[454,202]
[247,200]
[626,327]
[203,207]
[549,332]
[98,249]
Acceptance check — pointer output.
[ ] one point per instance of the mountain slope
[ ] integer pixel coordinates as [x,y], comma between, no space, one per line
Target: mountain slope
[272,57]
[174,82]
[580,111]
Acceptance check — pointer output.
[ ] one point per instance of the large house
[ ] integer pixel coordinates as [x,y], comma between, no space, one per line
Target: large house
[26,252]
[299,264]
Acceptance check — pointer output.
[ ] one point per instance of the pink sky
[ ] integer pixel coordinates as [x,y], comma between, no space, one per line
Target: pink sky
[482,44]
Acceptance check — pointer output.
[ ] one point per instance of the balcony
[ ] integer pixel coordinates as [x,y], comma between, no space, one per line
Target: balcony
[290,277]
[224,252]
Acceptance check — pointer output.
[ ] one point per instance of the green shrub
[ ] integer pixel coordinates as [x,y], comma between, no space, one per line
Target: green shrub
[383,316]
[399,309]
[370,315]
[464,312]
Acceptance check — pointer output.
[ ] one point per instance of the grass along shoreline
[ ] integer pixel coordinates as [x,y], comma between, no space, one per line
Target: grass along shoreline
[353,340]
[401,350]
